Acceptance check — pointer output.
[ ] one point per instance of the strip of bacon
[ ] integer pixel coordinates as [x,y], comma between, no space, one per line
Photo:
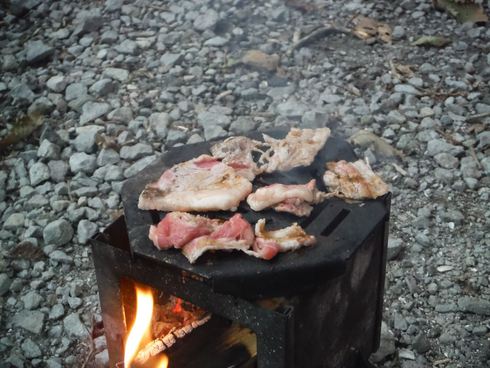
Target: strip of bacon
[287,239]
[295,199]
[354,180]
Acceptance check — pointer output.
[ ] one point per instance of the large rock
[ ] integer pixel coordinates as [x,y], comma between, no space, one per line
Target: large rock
[38,52]
[58,232]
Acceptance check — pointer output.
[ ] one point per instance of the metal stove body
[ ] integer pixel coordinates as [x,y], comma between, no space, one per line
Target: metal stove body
[328,298]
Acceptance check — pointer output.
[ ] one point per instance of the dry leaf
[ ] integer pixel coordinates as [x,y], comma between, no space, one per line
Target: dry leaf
[22,128]
[434,41]
[369,29]
[401,71]
[462,10]
[261,60]
[366,139]
[27,250]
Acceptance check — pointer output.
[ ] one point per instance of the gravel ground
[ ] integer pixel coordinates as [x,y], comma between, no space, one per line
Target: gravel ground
[120,82]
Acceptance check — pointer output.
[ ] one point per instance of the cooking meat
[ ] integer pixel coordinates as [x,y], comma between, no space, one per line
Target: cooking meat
[298,148]
[236,233]
[237,152]
[178,228]
[354,180]
[201,184]
[295,199]
[195,235]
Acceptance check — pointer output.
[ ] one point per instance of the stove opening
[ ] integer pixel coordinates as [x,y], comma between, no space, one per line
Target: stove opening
[163,331]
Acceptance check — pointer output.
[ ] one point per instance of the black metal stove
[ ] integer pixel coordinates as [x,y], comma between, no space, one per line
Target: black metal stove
[316,307]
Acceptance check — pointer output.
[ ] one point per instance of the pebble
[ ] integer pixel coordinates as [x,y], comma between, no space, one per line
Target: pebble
[136,151]
[58,232]
[119,74]
[159,123]
[30,349]
[82,162]
[14,221]
[103,87]
[38,173]
[5,283]
[38,52]
[56,83]
[205,21]
[74,327]
[32,300]
[56,312]
[213,118]
[93,110]
[85,230]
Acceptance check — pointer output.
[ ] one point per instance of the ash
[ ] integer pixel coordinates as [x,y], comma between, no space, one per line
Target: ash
[119,82]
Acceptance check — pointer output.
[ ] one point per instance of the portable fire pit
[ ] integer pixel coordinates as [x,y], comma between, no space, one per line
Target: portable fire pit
[316,307]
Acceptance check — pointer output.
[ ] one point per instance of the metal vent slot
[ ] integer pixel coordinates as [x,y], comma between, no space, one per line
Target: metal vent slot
[335,222]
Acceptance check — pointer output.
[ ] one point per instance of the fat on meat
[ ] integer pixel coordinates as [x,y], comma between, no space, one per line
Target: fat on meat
[201,184]
[236,233]
[354,180]
[293,198]
[237,152]
[298,148]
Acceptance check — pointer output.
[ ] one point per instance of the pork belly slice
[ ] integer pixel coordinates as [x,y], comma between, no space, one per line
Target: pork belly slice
[354,180]
[178,228]
[295,199]
[237,152]
[298,148]
[236,233]
[268,243]
[201,184]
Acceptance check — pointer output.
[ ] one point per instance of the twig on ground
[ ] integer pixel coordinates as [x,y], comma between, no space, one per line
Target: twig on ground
[318,33]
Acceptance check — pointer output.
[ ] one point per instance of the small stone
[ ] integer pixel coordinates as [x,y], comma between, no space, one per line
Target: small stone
[14,221]
[138,166]
[58,232]
[107,156]
[38,51]
[136,151]
[159,123]
[217,41]
[38,173]
[88,21]
[60,256]
[436,146]
[398,33]
[74,327]
[9,63]
[48,150]
[474,305]
[85,230]
[395,246]
[32,321]
[213,132]
[5,283]
[22,93]
[206,20]
[82,162]
[395,117]
[57,311]
[211,118]
[75,91]
[170,59]
[113,5]
[291,108]
[42,106]
[32,300]
[54,363]
[127,47]
[93,110]
[30,349]
[446,160]
[57,83]
[109,37]
[86,138]
[123,114]
[195,138]
[121,75]
[421,343]
[103,87]
[242,125]
[406,354]
[314,119]
[102,359]
[57,170]
[407,89]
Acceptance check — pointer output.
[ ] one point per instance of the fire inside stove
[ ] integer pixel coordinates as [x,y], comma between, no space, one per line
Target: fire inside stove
[163,331]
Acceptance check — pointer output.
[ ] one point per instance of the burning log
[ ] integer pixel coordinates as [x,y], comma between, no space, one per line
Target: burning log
[163,343]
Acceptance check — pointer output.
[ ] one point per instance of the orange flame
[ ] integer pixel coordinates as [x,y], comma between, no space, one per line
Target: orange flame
[178,306]
[144,311]
[162,362]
